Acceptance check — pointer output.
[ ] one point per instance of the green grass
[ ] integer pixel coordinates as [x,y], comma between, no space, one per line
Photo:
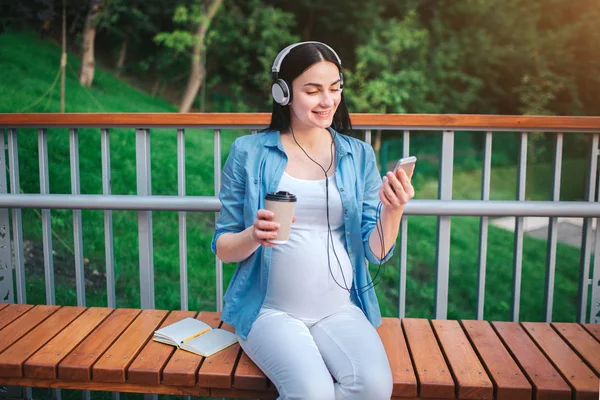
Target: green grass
[29,67]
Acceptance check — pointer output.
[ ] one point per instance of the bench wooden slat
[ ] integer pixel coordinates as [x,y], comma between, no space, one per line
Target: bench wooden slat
[403,374]
[593,329]
[43,364]
[183,365]
[78,364]
[105,386]
[248,376]
[243,394]
[432,372]
[147,366]
[217,370]
[577,373]
[19,327]
[8,313]
[471,378]
[545,378]
[2,305]
[584,344]
[11,361]
[112,366]
[509,382]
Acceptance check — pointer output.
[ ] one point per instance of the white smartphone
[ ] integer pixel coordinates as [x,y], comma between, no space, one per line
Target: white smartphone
[407,164]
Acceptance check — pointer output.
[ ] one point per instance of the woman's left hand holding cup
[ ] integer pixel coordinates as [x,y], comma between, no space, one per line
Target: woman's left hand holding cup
[264,228]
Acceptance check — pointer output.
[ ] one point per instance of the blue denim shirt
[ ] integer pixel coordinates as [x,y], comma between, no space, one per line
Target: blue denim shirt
[254,168]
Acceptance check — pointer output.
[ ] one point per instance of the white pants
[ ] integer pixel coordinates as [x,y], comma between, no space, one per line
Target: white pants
[300,359]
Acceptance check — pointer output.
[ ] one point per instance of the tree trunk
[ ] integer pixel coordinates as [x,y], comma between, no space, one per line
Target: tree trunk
[74,23]
[88,64]
[121,61]
[197,68]
[377,145]
[155,87]
[308,26]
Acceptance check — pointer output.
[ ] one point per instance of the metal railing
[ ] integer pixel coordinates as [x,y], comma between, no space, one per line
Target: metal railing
[11,240]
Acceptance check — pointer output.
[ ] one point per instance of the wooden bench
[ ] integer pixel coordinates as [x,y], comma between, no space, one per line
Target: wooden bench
[111,350]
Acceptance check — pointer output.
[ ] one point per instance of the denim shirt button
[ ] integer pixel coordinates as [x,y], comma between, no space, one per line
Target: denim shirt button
[346,211]
[341,189]
[348,233]
[256,181]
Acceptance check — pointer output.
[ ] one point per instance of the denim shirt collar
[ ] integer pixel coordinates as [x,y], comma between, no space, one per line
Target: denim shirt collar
[342,146]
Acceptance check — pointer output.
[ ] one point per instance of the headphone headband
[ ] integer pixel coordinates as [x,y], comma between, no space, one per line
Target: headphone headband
[279,59]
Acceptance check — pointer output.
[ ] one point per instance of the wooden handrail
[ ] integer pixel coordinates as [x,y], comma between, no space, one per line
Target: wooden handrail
[260,120]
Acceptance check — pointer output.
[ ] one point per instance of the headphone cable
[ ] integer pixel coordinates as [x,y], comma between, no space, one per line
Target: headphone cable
[379,226]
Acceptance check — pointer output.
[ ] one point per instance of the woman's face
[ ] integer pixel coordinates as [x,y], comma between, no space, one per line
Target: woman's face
[316,96]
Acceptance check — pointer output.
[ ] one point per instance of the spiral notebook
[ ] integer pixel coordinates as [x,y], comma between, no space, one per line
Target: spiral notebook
[195,336]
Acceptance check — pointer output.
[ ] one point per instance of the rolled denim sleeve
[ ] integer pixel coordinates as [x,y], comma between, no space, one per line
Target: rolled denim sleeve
[370,204]
[231,196]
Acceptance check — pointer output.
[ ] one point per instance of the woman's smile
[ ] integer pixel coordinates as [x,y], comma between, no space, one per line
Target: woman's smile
[323,114]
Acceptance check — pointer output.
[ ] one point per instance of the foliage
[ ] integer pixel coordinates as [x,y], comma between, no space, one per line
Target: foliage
[248,35]
[390,72]
[523,52]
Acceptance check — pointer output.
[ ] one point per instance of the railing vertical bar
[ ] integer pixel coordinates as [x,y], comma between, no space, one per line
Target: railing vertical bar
[181,189]
[7,294]
[368,136]
[403,241]
[77,231]
[595,306]
[483,224]
[443,230]
[553,230]
[46,221]
[586,231]
[144,188]
[218,262]
[518,244]
[109,252]
[17,231]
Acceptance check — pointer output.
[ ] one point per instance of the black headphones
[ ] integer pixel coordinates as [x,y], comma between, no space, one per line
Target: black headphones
[280,90]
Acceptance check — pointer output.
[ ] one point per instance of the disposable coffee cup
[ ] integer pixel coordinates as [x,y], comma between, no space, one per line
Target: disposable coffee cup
[282,204]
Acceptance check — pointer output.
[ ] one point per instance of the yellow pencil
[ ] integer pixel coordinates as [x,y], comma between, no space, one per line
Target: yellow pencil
[195,335]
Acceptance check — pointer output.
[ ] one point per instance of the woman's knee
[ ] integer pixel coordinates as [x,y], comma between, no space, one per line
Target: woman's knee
[310,389]
[373,384]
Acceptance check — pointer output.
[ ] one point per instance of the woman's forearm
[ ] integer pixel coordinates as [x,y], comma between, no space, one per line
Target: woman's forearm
[235,247]
[390,223]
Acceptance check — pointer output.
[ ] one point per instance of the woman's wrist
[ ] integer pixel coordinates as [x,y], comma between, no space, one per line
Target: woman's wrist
[392,214]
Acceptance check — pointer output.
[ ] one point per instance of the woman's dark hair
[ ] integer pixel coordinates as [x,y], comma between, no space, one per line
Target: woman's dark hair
[298,60]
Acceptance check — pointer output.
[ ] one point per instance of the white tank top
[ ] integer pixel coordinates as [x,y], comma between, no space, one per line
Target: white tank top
[300,281]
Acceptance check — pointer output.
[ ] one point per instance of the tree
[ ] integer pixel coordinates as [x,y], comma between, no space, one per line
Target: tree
[248,34]
[88,63]
[390,70]
[199,18]
[128,22]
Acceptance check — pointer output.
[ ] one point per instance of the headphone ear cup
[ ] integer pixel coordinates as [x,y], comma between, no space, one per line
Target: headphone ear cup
[281,92]
[341,81]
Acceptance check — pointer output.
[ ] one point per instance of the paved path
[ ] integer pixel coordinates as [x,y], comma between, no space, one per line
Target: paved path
[569,229]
